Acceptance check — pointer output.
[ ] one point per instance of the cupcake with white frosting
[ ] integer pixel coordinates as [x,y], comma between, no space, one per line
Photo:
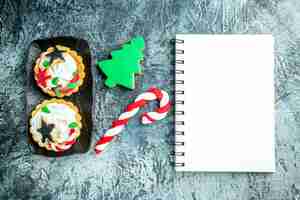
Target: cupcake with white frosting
[55,124]
[59,71]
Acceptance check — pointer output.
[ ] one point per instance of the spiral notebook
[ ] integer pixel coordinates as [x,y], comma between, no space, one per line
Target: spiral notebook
[224,103]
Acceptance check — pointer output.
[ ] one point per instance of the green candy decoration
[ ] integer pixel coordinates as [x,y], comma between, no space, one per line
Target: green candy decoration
[46,64]
[72,85]
[54,81]
[45,109]
[125,63]
[73,125]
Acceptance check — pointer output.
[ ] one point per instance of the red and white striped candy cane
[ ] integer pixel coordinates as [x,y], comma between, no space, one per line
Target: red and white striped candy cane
[131,110]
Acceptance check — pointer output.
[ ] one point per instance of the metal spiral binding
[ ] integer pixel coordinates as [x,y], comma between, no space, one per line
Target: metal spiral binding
[179,102]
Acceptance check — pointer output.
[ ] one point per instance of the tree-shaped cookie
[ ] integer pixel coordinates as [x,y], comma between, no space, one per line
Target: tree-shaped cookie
[124,64]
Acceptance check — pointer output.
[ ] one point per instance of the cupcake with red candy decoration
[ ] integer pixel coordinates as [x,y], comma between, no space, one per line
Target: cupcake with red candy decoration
[55,124]
[59,71]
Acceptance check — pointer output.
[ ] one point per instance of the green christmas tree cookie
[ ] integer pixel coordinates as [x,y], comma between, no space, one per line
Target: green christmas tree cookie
[125,63]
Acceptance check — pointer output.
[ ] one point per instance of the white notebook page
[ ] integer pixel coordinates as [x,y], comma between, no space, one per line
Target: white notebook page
[228,103]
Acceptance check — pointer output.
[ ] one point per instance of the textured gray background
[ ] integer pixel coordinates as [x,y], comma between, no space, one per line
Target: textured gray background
[136,166]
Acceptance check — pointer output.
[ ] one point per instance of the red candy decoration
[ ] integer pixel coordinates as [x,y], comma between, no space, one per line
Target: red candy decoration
[42,77]
[75,78]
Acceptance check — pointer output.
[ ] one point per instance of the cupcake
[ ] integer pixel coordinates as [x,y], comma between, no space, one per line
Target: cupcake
[55,124]
[59,71]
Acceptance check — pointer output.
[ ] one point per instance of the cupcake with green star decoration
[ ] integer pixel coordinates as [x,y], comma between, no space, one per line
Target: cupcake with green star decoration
[59,71]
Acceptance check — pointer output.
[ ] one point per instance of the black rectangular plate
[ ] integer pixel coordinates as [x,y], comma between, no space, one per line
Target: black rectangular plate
[83,99]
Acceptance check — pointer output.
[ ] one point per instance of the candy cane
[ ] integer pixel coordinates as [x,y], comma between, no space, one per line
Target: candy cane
[147,117]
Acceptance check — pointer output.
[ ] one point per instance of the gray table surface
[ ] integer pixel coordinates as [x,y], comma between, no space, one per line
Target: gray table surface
[136,166]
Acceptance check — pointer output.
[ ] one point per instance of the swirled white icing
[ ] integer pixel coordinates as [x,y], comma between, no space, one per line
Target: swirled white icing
[61,115]
[63,70]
